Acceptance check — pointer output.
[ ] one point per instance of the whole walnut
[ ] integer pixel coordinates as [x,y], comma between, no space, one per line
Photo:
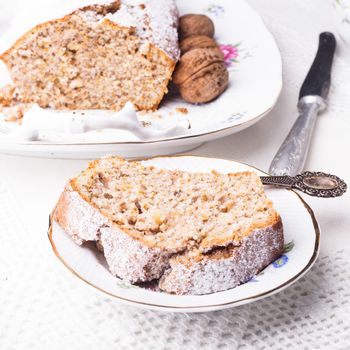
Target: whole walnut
[195,60]
[192,25]
[197,42]
[201,75]
[206,85]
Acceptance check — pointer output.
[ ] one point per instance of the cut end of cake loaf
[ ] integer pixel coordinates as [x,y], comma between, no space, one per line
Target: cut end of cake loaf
[196,273]
[98,58]
[154,222]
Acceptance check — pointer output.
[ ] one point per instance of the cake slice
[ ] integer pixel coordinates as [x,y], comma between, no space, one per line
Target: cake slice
[98,57]
[197,232]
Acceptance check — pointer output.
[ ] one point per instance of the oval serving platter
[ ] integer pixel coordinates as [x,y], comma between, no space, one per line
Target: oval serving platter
[255,67]
[301,249]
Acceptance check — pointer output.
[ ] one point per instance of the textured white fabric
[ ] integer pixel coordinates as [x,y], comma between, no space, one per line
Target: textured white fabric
[42,306]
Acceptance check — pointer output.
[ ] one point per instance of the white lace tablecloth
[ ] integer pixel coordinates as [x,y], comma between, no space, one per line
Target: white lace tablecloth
[42,306]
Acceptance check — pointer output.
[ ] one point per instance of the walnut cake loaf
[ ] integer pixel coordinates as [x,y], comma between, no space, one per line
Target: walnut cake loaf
[98,57]
[197,232]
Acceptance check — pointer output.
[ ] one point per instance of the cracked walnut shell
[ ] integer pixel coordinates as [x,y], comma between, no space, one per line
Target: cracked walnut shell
[195,60]
[205,85]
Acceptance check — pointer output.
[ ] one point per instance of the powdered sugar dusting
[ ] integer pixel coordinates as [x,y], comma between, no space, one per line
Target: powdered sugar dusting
[129,259]
[126,257]
[155,21]
[210,275]
[83,221]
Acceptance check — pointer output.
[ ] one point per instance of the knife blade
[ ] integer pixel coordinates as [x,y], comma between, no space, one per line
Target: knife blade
[291,156]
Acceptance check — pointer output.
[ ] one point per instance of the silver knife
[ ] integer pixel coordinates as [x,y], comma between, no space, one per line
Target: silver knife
[291,157]
[289,162]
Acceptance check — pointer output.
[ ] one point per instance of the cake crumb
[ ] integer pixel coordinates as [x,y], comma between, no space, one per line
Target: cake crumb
[182,110]
[146,124]
[15,113]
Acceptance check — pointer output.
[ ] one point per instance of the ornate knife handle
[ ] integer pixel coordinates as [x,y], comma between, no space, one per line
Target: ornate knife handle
[312,183]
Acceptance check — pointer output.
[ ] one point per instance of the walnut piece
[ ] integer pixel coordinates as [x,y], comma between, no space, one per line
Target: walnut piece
[205,85]
[193,24]
[195,60]
[197,42]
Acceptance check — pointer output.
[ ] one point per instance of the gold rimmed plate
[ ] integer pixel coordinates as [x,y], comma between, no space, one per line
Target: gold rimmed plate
[302,237]
[255,68]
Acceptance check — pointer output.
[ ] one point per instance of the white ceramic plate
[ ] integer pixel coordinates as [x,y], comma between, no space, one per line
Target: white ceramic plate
[301,248]
[254,62]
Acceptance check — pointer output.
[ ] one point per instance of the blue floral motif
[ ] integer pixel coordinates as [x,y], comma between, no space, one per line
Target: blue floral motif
[253,279]
[216,10]
[281,261]
[235,117]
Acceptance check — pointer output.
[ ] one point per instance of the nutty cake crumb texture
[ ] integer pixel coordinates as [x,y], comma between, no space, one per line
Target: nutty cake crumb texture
[197,232]
[98,57]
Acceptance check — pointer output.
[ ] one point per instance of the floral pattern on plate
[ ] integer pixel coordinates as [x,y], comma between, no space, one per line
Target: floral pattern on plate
[231,53]
[234,53]
[235,117]
[278,263]
[283,259]
[216,10]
